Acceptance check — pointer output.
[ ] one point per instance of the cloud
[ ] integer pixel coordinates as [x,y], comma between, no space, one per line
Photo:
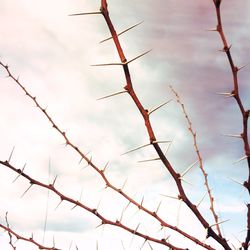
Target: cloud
[52,53]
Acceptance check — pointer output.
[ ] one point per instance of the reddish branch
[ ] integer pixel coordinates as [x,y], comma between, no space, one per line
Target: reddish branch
[99,171]
[236,94]
[145,114]
[19,237]
[77,203]
[193,133]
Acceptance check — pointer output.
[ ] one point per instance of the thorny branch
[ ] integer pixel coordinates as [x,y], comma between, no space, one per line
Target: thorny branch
[77,203]
[244,112]
[19,237]
[152,138]
[101,172]
[153,141]
[194,135]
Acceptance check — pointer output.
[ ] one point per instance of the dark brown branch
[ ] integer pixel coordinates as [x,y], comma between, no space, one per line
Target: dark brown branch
[100,172]
[237,97]
[152,138]
[77,203]
[19,237]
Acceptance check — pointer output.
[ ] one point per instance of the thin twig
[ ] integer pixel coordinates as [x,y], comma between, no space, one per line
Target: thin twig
[94,167]
[202,168]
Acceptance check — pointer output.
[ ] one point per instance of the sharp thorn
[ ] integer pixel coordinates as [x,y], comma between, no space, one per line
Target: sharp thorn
[107,64]
[189,168]
[83,158]
[142,200]
[132,150]
[20,173]
[212,29]
[101,224]
[242,67]
[235,181]
[158,207]
[99,203]
[226,94]
[171,197]
[123,245]
[122,32]
[241,159]
[202,199]
[86,13]
[137,228]
[168,147]
[160,142]
[121,217]
[143,244]
[181,178]
[114,94]
[124,184]
[158,107]
[151,248]
[219,223]
[54,181]
[59,204]
[89,161]
[143,54]
[74,206]
[154,159]
[127,205]
[26,191]
[80,198]
[231,135]
[105,167]
[11,154]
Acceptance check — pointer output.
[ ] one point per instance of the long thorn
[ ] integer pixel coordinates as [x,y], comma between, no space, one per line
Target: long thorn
[132,150]
[219,223]
[20,173]
[226,94]
[124,184]
[86,13]
[188,169]
[241,159]
[160,142]
[114,94]
[242,67]
[212,29]
[122,32]
[26,190]
[231,135]
[158,207]
[171,197]
[158,107]
[59,204]
[202,199]
[231,179]
[107,64]
[181,178]
[143,54]
[154,159]
[11,153]
[105,167]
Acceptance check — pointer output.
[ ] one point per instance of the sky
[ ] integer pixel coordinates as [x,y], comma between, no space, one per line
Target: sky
[52,54]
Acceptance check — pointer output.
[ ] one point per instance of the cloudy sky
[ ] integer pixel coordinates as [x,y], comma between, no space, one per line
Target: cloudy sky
[52,53]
